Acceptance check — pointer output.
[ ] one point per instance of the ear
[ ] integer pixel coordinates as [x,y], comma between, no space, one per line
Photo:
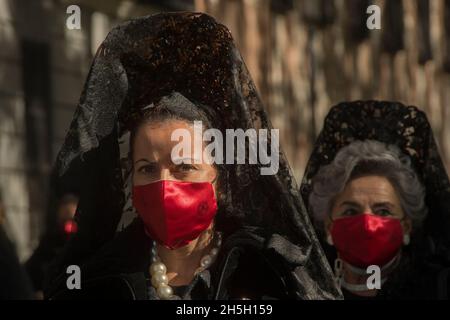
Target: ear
[216,190]
[407,225]
[220,188]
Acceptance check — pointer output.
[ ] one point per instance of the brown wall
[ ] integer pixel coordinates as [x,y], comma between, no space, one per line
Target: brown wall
[310,55]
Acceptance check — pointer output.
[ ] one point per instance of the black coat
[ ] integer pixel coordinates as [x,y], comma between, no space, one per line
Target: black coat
[246,267]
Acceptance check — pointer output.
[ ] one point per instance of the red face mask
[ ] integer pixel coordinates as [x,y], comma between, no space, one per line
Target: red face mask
[366,239]
[175,213]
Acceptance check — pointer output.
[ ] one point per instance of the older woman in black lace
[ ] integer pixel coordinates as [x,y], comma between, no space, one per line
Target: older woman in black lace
[369,186]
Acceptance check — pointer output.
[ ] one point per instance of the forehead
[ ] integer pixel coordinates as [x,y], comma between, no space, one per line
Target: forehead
[148,130]
[371,188]
[158,133]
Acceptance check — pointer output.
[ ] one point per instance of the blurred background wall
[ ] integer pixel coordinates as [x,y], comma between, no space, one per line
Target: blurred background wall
[304,55]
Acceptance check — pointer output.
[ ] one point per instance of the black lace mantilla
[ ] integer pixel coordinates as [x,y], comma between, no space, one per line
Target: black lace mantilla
[393,123]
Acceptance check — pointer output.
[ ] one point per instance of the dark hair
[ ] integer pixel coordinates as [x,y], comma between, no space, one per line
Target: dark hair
[172,107]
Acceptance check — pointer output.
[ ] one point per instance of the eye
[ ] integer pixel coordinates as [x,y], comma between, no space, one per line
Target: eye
[350,212]
[383,212]
[147,169]
[186,167]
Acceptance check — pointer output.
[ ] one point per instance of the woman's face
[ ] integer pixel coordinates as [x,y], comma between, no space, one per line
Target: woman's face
[370,194]
[152,155]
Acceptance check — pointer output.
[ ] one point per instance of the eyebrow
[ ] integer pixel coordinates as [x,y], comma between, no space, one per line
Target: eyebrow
[154,162]
[192,159]
[145,160]
[350,203]
[384,204]
[185,158]
[376,205]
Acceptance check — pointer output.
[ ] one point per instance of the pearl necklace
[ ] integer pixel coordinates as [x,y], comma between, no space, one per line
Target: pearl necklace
[158,270]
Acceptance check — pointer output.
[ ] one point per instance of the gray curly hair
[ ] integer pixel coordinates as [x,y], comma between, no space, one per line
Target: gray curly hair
[362,158]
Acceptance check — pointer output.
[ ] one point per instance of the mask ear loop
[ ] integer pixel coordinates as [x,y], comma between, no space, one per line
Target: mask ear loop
[217,176]
[406,237]
[338,263]
[214,225]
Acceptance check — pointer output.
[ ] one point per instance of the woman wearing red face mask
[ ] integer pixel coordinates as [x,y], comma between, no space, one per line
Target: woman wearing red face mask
[155,223]
[175,195]
[368,199]
[381,228]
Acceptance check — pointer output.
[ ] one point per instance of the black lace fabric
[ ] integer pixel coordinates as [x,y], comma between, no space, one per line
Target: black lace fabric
[140,62]
[394,123]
